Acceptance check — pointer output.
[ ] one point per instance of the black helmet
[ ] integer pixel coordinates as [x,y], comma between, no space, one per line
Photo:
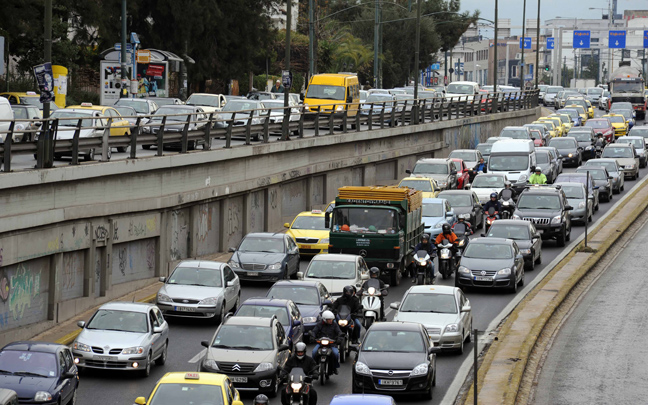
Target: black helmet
[446,228]
[493,195]
[425,237]
[374,272]
[261,400]
[300,350]
[348,290]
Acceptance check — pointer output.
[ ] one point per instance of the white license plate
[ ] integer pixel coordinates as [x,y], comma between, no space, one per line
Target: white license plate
[185,309]
[239,379]
[390,382]
[479,278]
[105,358]
[253,273]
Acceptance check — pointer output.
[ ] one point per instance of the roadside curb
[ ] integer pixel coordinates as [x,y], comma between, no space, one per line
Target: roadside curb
[504,363]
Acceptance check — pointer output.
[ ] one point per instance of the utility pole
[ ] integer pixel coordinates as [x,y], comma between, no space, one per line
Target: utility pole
[537,68]
[416,58]
[495,62]
[523,43]
[48,46]
[124,71]
[311,41]
[286,119]
[376,45]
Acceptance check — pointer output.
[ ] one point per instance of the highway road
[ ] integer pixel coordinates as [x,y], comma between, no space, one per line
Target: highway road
[103,388]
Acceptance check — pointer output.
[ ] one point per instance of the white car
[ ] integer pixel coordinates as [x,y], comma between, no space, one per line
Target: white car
[336,271]
[485,184]
[469,156]
[209,102]
[141,106]
[444,311]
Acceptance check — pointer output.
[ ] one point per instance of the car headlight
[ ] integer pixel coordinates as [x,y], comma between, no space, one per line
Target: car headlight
[570,155]
[325,240]
[233,264]
[525,251]
[133,350]
[439,225]
[362,368]
[522,178]
[463,270]
[343,322]
[42,396]
[275,266]
[264,367]
[556,219]
[210,365]
[19,127]
[421,369]
[339,108]
[504,272]
[163,298]
[581,204]
[310,319]
[82,347]
[453,327]
[209,301]
[630,167]
[515,216]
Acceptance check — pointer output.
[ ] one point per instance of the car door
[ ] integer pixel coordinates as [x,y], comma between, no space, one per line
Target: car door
[119,126]
[298,322]
[536,241]
[64,385]
[452,178]
[293,254]
[519,262]
[280,336]
[156,339]
[448,209]
[478,211]
[466,318]
[231,292]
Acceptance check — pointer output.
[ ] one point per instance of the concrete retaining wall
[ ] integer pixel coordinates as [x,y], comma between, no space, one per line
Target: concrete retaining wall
[73,237]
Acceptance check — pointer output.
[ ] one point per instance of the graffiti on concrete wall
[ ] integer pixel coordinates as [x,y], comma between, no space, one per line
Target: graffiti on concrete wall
[5,286]
[233,219]
[204,221]
[178,233]
[23,293]
[256,212]
[134,260]
[206,228]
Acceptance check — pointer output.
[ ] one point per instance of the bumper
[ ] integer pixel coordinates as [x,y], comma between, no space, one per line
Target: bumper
[570,160]
[263,275]
[312,249]
[465,280]
[187,310]
[251,382]
[578,214]
[119,362]
[410,385]
[447,341]
[550,231]
[630,172]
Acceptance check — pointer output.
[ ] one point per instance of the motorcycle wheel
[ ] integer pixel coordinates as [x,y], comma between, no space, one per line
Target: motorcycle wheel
[343,350]
[444,270]
[420,280]
[323,374]
[368,323]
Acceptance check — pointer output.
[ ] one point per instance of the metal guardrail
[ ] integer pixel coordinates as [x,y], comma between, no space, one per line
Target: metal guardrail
[199,129]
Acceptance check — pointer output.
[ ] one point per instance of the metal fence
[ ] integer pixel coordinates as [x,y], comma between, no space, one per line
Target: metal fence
[46,139]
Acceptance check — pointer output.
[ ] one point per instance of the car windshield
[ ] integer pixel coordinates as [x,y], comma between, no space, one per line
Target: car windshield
[626,113]
[488,251]
[579,102]
[433,210]
[35,101]
[265,311]
[326,92]
[20,113]
[596,174]
[300,295]
[538,202]
[549,126]
[455,88]
[122,321]
[171,111]
[240,105]
[573,191]
[365,220]
[458,200]
[261,244]
[28,363]
[463,155]
[196,276]
[541,158]
[638,131]
[562,118]
[580,136]
[178,393]
[626,87]
[430,168]
[514,133]
[437,303]
[313,223]
[126,111]
[379,98]
[329,269]
[393,341]
[638,144]
[562,143]
[243,337]
[595,91]
[164,101]
[421,185]
[71,118]
[597,124]
[516,232]
[617,152]
[617,119]
[488,181]
[140,106]
[609,166]
[204,99]
[508,163]
[621,105]
[485,148]
[553,89]
[571,113]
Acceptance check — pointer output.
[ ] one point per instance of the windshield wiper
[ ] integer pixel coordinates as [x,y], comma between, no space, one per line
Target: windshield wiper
[545,208]
[265,251]
[328,277]
[29,374]
[6,372]
[238,347]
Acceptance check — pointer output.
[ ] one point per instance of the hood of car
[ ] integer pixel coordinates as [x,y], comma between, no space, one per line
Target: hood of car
[258,257]
[27,387]
[626,161]
[566,151]
[308,233]
[523,243]
[391,360]
[457,95]
[438,177]
[309,311]
[490,264]
[242,356]
[427,319]
[574,202]
[537,213]
[484,193]
[193,292]
[110,338]
[600,182]
[333,286]
[584,144]
[432,221]
[68,133]
[462,210]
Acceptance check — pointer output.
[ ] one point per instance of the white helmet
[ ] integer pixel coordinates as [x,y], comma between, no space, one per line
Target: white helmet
[326,315]
[300,350]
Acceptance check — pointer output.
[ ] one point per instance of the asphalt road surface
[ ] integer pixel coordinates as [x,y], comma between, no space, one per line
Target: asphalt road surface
[103,388]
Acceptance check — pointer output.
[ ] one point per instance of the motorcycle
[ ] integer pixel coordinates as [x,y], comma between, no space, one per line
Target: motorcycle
[489,219]
[508,205]
[346,324]
[371,302]
[462,231]
[324,354]
[423,268]
[298,388]
[472,173]
[446,260]
[599,151]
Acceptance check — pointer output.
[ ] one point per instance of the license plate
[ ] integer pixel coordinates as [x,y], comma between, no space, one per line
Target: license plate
[239,379]
[253,273]
[306,247]
[479,278]
[184,309]
[105,358]
[390,382]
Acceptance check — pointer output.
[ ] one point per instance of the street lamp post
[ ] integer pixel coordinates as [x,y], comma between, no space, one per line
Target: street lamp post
[124,72]
[523,42]
[286,119]
[416,58]
[495,52]
[537,72]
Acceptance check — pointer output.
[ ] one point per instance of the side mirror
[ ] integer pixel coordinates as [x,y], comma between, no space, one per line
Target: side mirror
[483,235]
[157,329]
[466,308]
[283,348]
[230,284]
[81,324]
[286,225]
[38,124]
[162,279]
[569,207]
[140,401]
[68,374]
[433,349]
[450,214]
[204,343]
[453,172]
[300,275]
[354,348]
[596,187]
[364,277]
[327,220]
[327,302]
[427,227]
[231,250]
[467,186]
[408,171]
[610,177]
[297,322]
[394,305]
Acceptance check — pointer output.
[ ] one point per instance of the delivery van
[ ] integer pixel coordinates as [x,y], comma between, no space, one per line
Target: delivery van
[333,92]
[516,158]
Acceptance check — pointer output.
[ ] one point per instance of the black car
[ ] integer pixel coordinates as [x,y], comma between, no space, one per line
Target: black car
[491,263]
[395,358]
[265,256]
[601,179]
[524,234]
[465,202]
[39,372]
[546,207]
[585,138]
[569,149]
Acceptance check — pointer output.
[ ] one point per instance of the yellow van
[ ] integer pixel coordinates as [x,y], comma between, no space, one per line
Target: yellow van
[333,90]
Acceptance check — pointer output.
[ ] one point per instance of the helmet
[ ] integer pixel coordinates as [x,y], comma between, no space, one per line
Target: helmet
[345,227]
[327,316]
[461,218]
[374,272]
[372,228]
[300,350]
[507,184]
[261,400]
[538,169]
[493,195]
[446,228]
[425,237]
[348,290]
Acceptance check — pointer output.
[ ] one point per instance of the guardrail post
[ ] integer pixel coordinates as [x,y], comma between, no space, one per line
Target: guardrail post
[228,133]
[301,122]
[266,126]
[331,118]
[6,153]
[382,115]
[317,116]
[402,113]
[208,127]
[248,124]
[75,144]
[134,134]
[184,141]
[370,118]
[160,138]
[105,141]
[344,120]
[422,113]
[392,115]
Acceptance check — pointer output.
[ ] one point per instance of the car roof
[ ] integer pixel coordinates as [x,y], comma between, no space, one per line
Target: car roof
[570,184]
[433,160]
[464,150]
[337,257]
[310,214]
[396,326]
[179,377]
[588,168]
[461,192]
[272,302]
[34,346]
[204,264]
[361,399]
[247,321]
[179,107]
[538,189]
[511,222]
[434,200]
[92,108]
[128,306]
[630,137]
[491,240]
[299,283]
[277,235]
[433,289]
[606,160]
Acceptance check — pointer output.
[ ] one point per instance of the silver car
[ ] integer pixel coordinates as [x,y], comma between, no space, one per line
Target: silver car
[123,336]
[443,310]
[200,289]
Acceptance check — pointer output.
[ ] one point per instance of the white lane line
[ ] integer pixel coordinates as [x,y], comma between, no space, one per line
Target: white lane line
[197,357]
[466,366]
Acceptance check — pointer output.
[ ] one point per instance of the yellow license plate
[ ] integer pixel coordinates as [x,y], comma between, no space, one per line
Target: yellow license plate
[306,246]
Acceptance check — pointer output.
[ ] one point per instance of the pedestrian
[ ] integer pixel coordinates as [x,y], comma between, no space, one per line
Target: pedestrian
[278,88]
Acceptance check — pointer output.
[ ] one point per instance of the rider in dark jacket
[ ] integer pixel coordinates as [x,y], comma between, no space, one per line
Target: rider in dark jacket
[493,202]
[349,299]
[306,363]
[431,249]
[330,329]
[481,166]
[374,273]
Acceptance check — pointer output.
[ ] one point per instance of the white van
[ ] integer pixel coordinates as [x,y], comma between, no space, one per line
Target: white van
[462,90]
[6,115]
[515,158]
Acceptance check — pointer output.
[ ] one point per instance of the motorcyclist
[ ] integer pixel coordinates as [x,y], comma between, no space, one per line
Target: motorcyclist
[507,186]
[462,220]
[480,167]
[600,141]
[493,203]
[328,328]
[538,177]
[349,299]
[446,234]
[425,244]
[300,360]
[261,400]
[374,274]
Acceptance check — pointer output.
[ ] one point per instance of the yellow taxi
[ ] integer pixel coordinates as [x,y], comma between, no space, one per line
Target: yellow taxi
[426,185]
[192,388]
[27,98]
[584,114]
[309,232]
[590,109]
[118,126]
[618,121]
[566,121]
[557,124]
[551,127]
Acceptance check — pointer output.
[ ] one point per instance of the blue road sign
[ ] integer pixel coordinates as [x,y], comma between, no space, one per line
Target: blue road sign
[581,39]
[617,40]
[550,43]
[436,66]
[645,39]
[129,47]
[527,43]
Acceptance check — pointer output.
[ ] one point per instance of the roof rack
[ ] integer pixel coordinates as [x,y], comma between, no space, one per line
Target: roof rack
[542,186]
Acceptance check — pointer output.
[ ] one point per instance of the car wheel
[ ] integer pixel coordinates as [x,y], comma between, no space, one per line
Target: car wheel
[461,348]
[122,149]
[568,235]
[428,395]
[73,400]
[610,196]
[531,265]
[596,208]
[513,289]
[637,175]
[147,367]
[275,388]
[622,187]
[147,147]
[286,274]
[90,156]
[589,218]
[163,357]
[237,303]
[560,240]
[191,145]
[539,259]
[521,282]
[221,314]
[468,338]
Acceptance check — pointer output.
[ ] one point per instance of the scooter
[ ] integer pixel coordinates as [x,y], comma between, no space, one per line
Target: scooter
[446,261]
[489,219]
[346,324]
[324,354]
[298,388]
[423,268]
[599,151]
[371,302]
[462,231]
[508,205]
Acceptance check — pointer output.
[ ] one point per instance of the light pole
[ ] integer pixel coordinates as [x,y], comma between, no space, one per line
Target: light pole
[416,57]
[495,64]
[537,73]
[610,23]
[124,72]
[286,119]
[523,43]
